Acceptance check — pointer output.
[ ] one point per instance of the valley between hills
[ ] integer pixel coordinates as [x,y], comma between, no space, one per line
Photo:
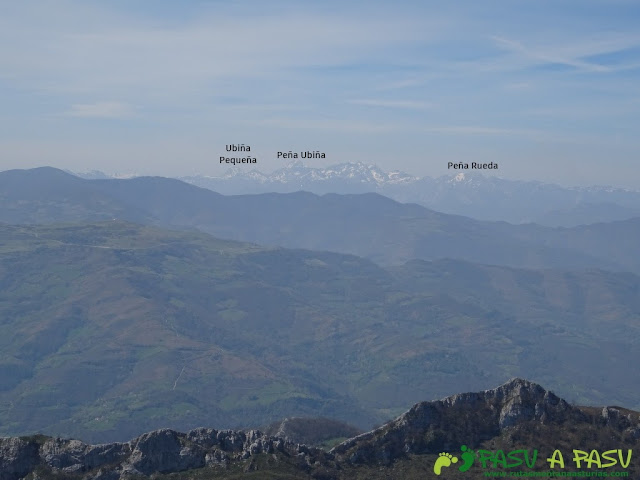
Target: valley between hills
[128,306]
[111,329]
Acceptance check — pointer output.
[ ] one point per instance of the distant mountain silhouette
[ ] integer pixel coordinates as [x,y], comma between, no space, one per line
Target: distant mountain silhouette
[368,225]
[469,194]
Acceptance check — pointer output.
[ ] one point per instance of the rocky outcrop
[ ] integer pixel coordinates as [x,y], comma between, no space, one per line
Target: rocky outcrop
[474,419]
[18,457]
[161,451]
[311,431]
[623,420]
[470,418]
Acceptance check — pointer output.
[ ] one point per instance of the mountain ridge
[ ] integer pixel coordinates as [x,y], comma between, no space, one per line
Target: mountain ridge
[469,194]
[492,418]
[370,225]
[192,328]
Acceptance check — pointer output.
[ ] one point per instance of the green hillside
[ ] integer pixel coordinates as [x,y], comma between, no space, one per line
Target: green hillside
[367,225]
[111,329]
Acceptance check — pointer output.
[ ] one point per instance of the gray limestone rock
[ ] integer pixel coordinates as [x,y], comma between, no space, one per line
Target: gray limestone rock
[428,427]
[17,458]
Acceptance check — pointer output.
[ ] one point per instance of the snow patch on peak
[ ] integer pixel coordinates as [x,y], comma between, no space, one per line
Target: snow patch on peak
[359,172]
[295,164]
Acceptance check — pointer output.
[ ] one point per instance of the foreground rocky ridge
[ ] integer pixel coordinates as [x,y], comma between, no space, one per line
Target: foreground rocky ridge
[161,451]
[516,412]
[474,418]
[312,431]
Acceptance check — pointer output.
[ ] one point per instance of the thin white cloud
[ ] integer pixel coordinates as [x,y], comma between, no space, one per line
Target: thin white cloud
[519,86]
[406,83]
[544,56]
[406,104]
[480,130]
[264,107]
[585,110]
[101,110]
[330,125]
[185,58]
[215,71]
[572,54]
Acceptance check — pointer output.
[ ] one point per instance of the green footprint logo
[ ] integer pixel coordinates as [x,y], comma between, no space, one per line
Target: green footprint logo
[468,457]
[444,460]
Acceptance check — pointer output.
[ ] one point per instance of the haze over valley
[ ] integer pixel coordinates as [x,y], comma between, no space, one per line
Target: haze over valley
[324,313]
[319,240]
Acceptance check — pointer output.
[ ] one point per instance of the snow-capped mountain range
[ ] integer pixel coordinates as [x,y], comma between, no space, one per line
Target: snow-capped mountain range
[469,194]
[297,172]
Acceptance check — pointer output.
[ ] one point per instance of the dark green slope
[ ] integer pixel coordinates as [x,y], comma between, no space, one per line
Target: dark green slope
[111,329]
[114,327]
[580,320]
[366,225]
[49,195]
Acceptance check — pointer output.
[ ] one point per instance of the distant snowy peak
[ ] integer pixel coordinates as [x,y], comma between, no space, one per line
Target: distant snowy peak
[90,175]
[465,180]
[472,194]
[99,175]
[358,172]
[297,172]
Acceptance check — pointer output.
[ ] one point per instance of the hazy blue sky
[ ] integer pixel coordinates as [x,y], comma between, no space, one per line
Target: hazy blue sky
[550,89]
